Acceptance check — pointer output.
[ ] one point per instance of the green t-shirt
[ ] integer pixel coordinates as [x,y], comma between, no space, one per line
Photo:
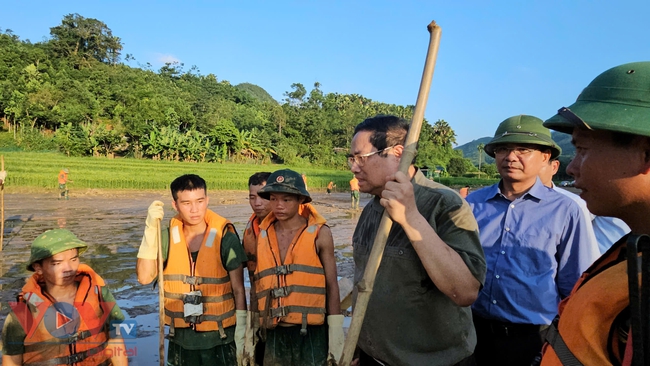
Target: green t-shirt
[13,334]
[232,256]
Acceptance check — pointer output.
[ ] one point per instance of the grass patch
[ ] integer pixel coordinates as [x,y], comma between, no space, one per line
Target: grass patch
[40,170]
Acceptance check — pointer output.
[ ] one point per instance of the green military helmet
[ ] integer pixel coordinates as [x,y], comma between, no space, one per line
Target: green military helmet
[523,129]
[53,242]
[285,181]
[616,100]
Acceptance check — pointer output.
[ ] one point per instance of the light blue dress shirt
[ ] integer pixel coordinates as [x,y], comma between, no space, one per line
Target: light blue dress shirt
[535,247]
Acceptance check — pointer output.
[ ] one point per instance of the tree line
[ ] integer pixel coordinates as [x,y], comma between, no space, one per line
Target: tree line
[75,93]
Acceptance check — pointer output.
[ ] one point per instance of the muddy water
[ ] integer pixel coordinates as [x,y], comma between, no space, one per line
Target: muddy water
[112,223]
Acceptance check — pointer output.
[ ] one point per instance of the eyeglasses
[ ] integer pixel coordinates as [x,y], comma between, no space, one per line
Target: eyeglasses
[360,160]
[503,150]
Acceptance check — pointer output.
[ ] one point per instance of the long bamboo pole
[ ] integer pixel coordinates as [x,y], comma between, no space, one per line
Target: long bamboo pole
[2,203]
[366,284]
[161,298]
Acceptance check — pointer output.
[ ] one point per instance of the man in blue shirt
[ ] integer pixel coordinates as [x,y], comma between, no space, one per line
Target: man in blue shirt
[535,245]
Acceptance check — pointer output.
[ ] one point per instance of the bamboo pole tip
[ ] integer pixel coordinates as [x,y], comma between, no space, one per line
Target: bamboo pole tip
[432,26]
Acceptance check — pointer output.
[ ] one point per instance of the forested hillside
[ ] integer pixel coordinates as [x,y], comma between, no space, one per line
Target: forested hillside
[75,93]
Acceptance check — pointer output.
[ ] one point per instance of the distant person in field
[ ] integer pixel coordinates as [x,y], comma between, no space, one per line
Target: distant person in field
[253,348]
[464,191]
[63,183]
[205,299]
[330,187]
[354,193]
[304,179]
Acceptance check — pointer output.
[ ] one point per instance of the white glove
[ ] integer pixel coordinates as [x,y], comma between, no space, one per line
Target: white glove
[336,338]
[149,247]
[250,338]
[240,331]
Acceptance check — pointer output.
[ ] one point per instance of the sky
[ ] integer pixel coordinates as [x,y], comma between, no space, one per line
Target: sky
[496,59]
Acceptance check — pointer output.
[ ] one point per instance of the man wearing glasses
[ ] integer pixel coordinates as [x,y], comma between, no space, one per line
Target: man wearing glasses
[433,264]
[535,242]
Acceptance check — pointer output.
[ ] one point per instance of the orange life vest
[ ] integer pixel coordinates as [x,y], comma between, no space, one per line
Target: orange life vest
[587,329]
[208,275]
[250,241]
[292,291]
[354,184]
[54,338]
[63,177]
[330,185]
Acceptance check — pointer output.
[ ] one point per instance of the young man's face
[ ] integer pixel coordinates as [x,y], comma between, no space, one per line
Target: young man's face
[522,168]
[191,206]
[59,269]
[260,206]
[372,175]
[605,171]
[285,206]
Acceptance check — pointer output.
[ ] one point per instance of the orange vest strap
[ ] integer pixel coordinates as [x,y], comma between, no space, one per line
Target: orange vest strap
[288,268]
[564,354]
[196,280]
[285,310]
[203,299]
[73,358]
[37,347]
[200,318]
[285,291]
[639,295]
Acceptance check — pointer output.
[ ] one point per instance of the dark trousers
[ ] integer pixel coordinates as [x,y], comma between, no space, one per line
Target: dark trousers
[506,344]
[367,360]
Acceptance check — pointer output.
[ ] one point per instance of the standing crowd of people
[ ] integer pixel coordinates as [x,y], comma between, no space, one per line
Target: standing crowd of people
[517,273]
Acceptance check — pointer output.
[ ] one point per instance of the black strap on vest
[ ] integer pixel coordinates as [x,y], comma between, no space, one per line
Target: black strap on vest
[554,338]
[73,358]
[639,299]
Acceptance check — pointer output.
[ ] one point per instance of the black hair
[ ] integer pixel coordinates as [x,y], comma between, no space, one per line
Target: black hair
[187,182]
[258,178]
[386,131]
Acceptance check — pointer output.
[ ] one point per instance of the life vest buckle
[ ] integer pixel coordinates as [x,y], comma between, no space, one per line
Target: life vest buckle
[279,312]
[282,270]
[193,280]
[75,357]
[193,298]
[279,292]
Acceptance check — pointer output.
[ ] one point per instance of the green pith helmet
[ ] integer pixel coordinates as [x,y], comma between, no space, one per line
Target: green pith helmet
[284,181]
[523,129]
[616,100]
[54,242]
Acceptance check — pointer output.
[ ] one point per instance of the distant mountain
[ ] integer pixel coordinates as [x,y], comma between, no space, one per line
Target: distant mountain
[470,150]
[256,91]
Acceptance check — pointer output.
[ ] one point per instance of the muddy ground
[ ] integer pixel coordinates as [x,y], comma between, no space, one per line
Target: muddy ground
[111,222]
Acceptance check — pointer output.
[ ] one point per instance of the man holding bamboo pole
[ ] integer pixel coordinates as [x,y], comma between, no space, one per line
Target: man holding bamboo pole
[205,300]
[433,265]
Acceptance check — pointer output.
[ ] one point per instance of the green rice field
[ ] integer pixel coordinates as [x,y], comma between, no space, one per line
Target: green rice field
[40,170]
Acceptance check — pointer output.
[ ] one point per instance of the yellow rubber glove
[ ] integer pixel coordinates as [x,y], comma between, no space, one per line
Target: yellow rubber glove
[250,338]
[240,331]
[149,247]
[336,338]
